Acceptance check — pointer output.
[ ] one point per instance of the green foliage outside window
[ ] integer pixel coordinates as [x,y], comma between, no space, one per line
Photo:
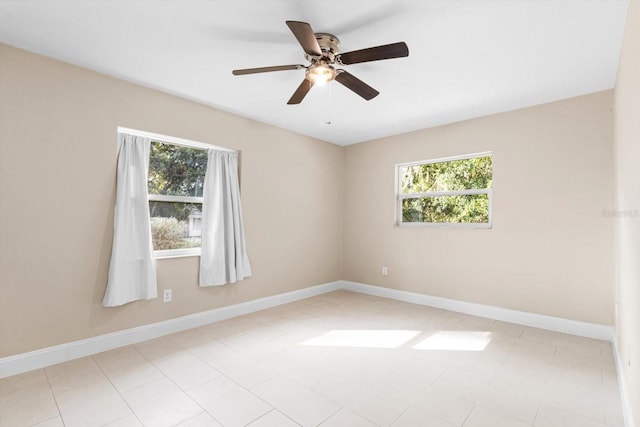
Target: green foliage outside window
[176,170]
[451,176]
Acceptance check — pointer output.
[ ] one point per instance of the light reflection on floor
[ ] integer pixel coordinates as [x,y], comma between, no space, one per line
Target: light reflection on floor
[456,341]
[442,340]
[363,338]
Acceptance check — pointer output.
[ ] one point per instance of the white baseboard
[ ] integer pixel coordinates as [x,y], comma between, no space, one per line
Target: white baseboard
[17,364]
[20,363]
[622,384]
[557,324]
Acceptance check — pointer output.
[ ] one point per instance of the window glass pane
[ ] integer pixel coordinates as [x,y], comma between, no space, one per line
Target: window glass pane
[175,170]
[453,175]
[175,225]
[471,208]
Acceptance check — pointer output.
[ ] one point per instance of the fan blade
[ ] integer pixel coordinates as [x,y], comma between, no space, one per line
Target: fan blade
[301,92]
[305,36]
[267,69]
[355,84]
[387,51]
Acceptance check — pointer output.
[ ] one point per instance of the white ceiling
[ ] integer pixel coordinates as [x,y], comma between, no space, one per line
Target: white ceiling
[468,58]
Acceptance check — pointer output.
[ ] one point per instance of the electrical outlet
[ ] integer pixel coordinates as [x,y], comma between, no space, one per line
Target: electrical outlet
[385,271]
[166,295]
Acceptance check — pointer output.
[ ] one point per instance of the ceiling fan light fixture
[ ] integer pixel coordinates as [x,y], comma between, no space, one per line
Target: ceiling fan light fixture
[320,73]
[322,51]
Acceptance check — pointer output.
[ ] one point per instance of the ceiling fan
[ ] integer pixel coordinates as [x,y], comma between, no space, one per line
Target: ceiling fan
[321,50]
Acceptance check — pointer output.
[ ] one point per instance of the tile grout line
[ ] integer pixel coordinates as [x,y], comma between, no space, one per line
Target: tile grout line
[55,399]
[185,391]
[117,391]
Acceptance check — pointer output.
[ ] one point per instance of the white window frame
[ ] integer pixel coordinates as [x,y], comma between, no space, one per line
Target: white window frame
[164,139]
[175,253]
[400,197]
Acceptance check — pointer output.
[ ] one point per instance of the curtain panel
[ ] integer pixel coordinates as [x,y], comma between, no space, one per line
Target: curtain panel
[223,254]
[132,270]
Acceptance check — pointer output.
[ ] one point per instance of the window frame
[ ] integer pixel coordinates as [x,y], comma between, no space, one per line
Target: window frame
[400,197]
[181,142]
[182,252]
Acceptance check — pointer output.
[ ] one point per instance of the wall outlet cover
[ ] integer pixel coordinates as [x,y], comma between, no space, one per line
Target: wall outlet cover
[166,295]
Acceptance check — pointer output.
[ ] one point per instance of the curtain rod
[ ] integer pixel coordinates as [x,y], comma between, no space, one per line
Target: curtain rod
[173,140]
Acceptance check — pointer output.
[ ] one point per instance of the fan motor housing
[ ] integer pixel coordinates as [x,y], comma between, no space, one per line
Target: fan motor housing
[329,44]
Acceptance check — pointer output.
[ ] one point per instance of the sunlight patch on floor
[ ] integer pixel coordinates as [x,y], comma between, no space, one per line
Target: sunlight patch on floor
[363,338]
[456,341]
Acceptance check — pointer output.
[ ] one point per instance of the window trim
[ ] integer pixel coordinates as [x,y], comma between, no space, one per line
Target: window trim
[173,140]
[400,197]
[181,142]
[176,253]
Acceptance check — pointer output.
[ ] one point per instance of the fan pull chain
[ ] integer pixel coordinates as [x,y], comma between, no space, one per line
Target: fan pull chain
[328,122]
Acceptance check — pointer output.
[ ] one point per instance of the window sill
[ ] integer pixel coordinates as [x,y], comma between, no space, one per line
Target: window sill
[176,253]
[442,225]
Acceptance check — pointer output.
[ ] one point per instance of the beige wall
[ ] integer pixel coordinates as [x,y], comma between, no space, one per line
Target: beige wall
[550,248]
[57,192]
[627,161]
[549,251]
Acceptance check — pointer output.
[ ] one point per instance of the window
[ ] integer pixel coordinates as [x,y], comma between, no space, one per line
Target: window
[453,191]
[176,178]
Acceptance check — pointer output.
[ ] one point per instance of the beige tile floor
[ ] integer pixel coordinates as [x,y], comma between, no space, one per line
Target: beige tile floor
[340,359]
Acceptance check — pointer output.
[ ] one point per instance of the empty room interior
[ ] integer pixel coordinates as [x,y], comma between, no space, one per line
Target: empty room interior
[320,213]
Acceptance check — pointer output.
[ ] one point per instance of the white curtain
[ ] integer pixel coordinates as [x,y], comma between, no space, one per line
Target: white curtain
[223,256]
[132,271]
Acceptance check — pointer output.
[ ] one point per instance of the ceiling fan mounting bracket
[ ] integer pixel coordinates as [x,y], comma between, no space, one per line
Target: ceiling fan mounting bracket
[328,42]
